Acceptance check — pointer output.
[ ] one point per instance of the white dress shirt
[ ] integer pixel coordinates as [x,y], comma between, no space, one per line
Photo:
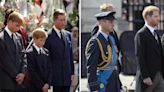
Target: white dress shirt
[37,48]
[150,28]
[58,31]
[9,32]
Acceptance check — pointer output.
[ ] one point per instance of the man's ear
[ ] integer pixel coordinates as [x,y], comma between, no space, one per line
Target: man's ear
[9,23]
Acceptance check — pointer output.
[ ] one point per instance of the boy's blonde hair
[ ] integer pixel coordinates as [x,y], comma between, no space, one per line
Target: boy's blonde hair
[16,17]
[39,33]
[148,11]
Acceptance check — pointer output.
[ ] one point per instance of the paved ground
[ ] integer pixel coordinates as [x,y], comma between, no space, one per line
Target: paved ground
[127,81]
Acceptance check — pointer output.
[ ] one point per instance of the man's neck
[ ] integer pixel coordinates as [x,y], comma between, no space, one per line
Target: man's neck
[103,30]
[148,23]
[9,29]
[58,29]
[106,32]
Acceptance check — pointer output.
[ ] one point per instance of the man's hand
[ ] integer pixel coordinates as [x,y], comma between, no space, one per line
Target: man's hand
[45,88]
[20,78]
[148,81]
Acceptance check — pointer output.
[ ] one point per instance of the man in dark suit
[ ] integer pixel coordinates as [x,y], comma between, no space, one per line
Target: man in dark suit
[60,47]
[39,64]
[12,68]
[102,57]
[149,54]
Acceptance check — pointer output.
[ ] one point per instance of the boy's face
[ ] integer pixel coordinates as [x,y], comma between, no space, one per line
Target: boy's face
[39,42]
[14,26]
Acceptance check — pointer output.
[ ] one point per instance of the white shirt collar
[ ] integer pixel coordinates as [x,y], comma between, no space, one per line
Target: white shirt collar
[8,31]
[58,31]
[104,34]
[37,48]
[150,28]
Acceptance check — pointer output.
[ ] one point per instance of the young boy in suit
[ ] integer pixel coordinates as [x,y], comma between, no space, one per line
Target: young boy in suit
[39,69]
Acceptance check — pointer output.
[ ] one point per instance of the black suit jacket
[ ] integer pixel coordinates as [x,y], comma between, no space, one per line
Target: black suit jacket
[61,57]
[39,69]
[12,60]
[149,55]
[162,41]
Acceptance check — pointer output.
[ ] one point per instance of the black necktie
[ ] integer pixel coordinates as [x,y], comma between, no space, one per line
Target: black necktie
[108,39]
[61,36]
[15,43]
[156,36]
[40,51]
[13,38]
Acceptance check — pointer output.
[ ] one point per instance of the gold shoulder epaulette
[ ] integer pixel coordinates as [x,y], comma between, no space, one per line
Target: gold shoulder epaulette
[105,59]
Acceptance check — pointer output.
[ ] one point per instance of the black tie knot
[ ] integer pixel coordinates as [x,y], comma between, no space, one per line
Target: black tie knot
[12,36]
[108,39]
[40,51]
[156,36]
[61,35]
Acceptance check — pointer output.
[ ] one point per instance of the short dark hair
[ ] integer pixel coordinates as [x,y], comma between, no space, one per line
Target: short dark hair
[58,12]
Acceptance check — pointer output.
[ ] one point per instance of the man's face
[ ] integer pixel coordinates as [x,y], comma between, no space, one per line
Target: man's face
[13,26]
[154,19]
[60,22]
[108,25]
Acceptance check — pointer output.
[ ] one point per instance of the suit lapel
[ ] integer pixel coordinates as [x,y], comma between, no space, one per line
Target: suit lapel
[57,37]
[65,39]
[34,50]
[102,39]
[10,43]
[154,42]
[55,34]
[60,44]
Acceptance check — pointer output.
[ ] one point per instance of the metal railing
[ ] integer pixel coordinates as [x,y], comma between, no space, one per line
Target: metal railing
[132,12]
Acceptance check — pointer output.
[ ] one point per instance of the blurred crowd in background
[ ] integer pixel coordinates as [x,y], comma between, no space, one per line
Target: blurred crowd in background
[39,13]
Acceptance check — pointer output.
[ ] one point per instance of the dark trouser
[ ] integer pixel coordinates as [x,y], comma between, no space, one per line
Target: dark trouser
[22,90]
[61,88]
[18,90]
[114,84]
[7,90]
[157,86]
